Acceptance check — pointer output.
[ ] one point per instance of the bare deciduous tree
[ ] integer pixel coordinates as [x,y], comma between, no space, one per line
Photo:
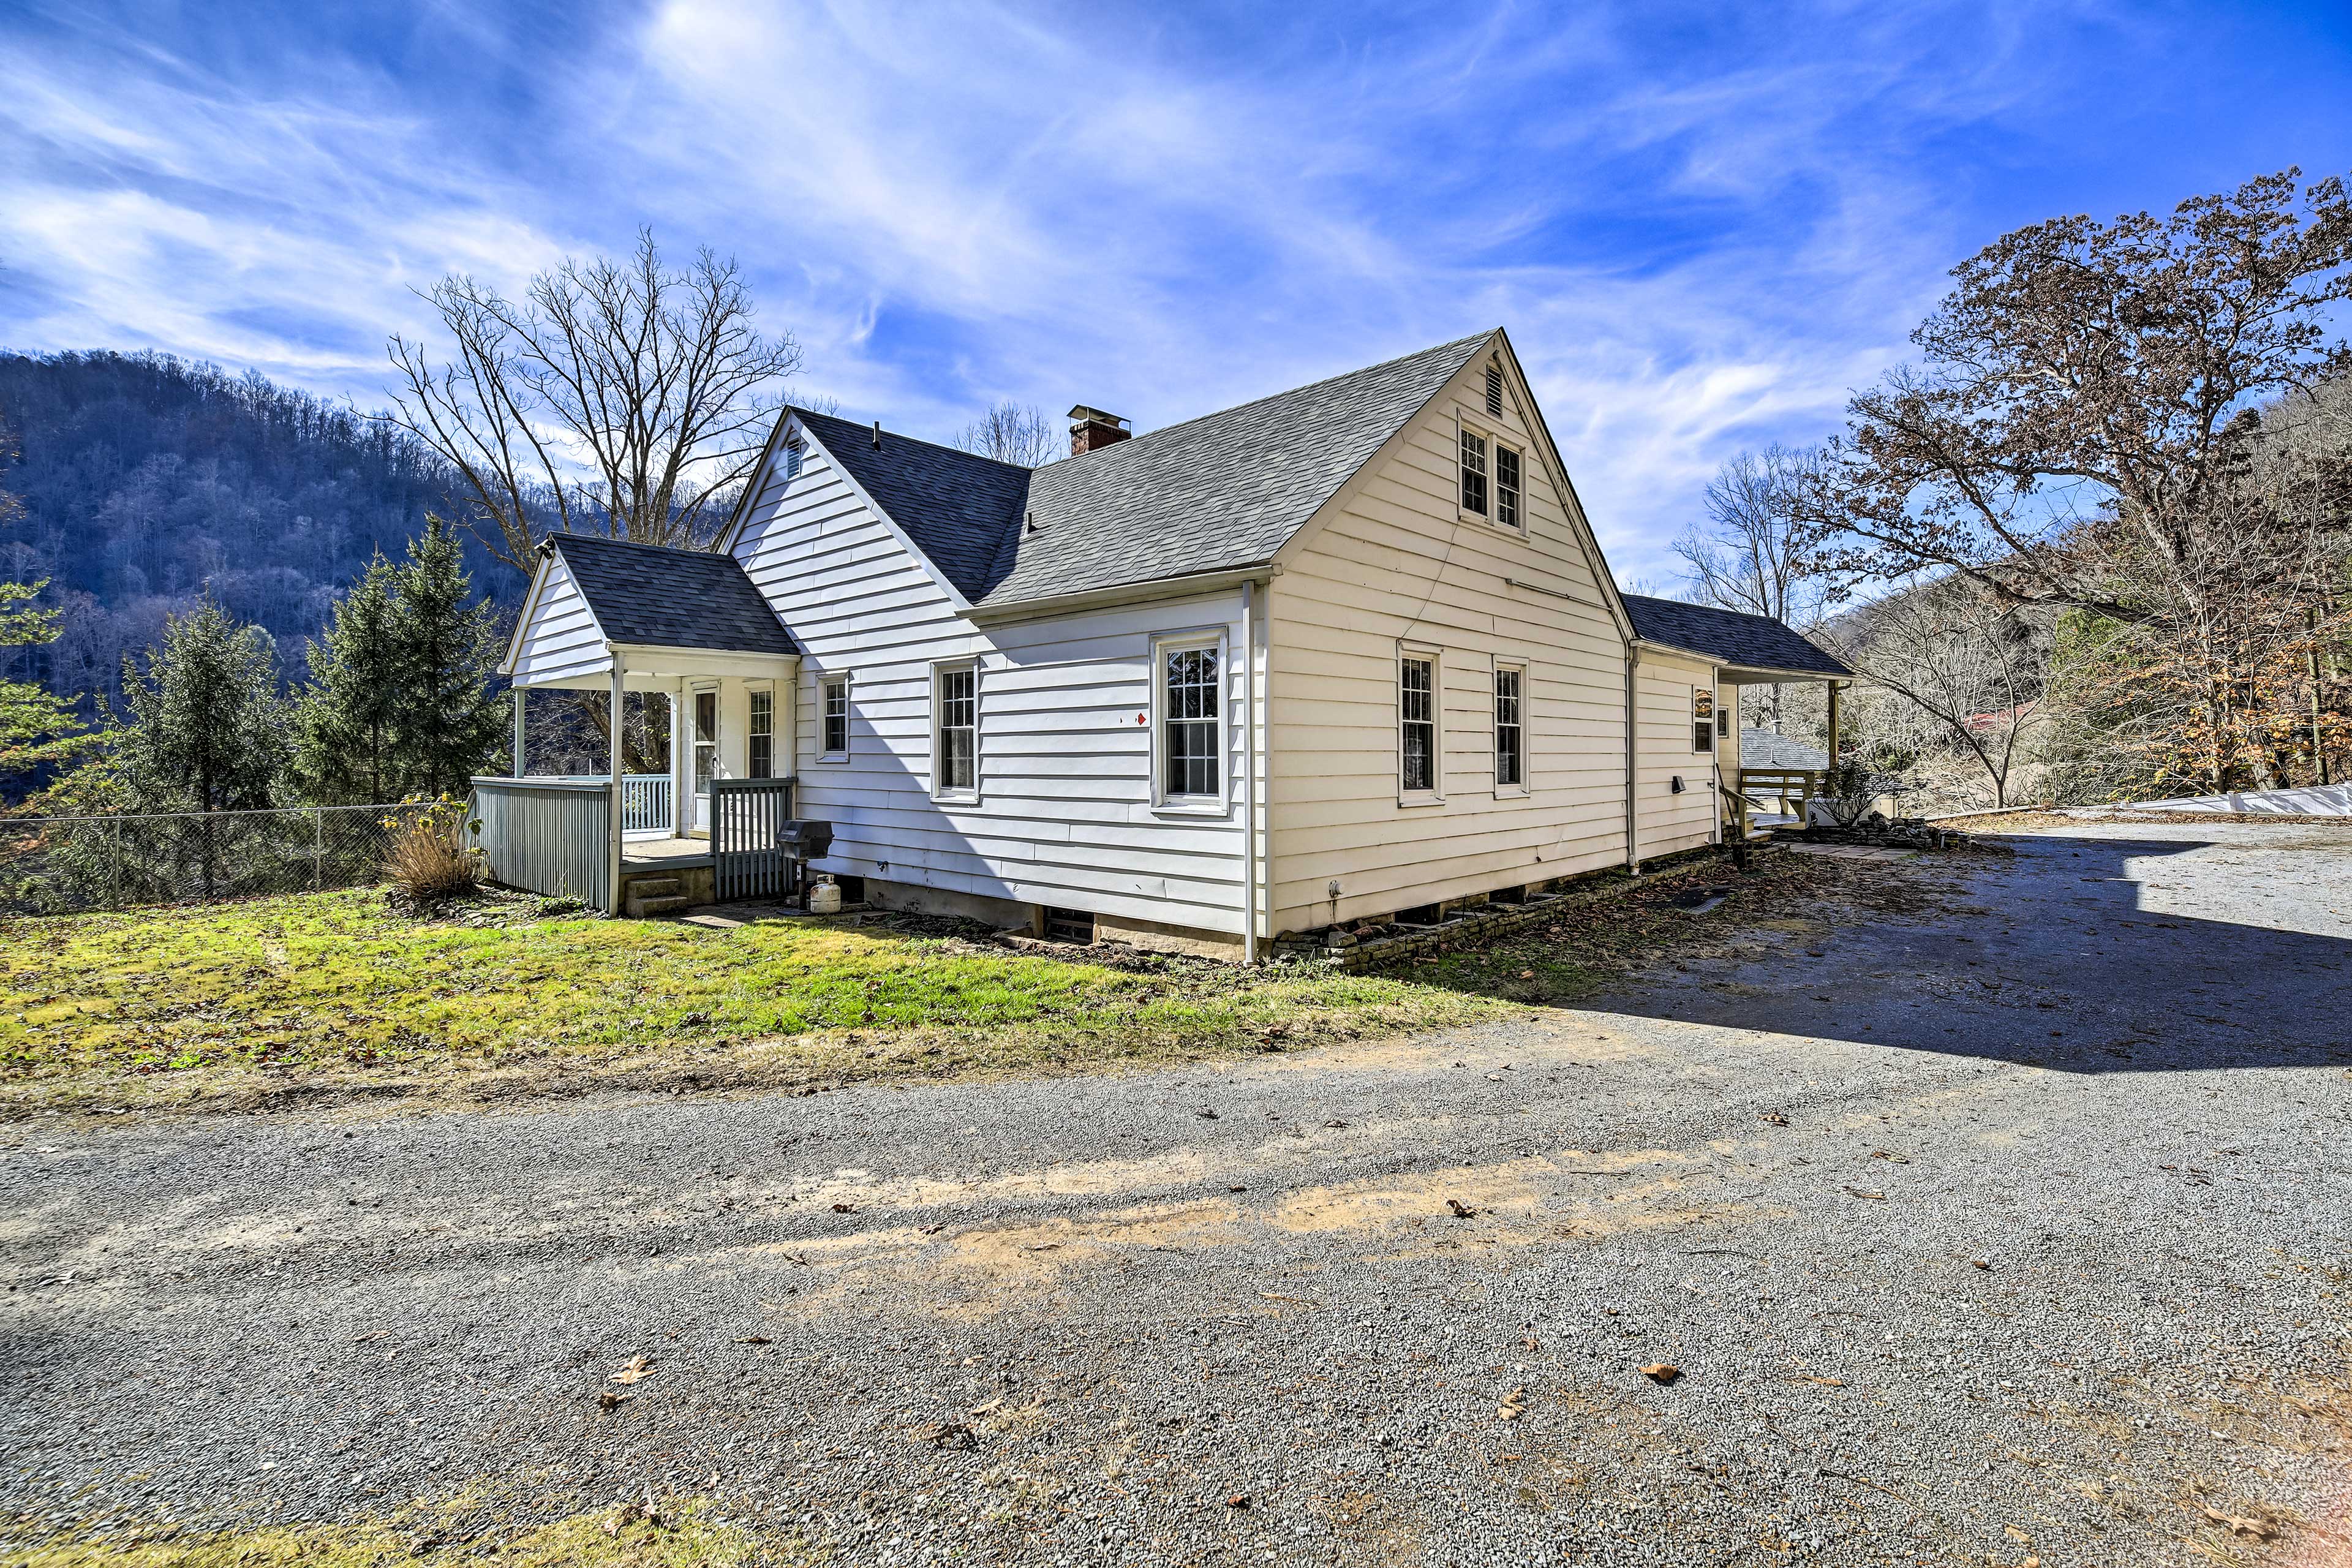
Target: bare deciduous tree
[1974,668]
[1749,555]
[1014,432]
[616,396]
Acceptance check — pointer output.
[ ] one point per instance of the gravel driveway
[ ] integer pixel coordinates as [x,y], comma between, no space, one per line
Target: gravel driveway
[2011,1229]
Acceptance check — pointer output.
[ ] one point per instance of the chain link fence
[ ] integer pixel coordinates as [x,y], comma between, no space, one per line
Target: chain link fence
[54,865]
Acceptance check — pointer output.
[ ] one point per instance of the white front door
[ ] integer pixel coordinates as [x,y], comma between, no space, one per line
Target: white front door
[706,755]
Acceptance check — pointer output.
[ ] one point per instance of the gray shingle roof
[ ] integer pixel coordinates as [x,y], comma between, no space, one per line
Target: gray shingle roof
[957,506]
[662,597]
[1224,490]
[1727,636]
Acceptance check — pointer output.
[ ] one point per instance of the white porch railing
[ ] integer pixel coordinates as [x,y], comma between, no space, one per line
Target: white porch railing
[646,804]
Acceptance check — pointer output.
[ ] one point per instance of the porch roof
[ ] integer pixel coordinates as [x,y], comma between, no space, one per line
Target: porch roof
[1753,649]
[655,596]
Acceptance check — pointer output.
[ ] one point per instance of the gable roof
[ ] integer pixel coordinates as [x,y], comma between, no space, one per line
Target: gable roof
[1223,492]
[659,596]
[1727,636]
[955,506]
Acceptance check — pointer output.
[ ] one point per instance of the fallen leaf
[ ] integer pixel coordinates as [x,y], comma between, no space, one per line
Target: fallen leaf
[985,1409]
[1982,1262]
[366,1338]
[1774,1118]
[1530,1343]
[1205,1114]
[844,1208]
[608,1400]
[1461,1210]
[1335,1124]
[1661,1372]
[1874,1197]
[640,1367]
[2258,1529]
[933,1229]
[1883,1154]
[1239,1500]
[1526,974]
[950,1434]
[754,1339]
[1513,1405]
[1809,1377]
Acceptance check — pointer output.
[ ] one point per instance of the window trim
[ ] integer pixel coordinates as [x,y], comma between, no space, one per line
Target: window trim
[1435,658]
[1702,724]
[752,691]
[1519,667]
[1467,430]
[941,670]
[1467,422]
[1163,644]
[848,714]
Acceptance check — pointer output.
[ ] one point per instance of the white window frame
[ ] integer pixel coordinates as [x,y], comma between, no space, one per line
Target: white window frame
[1517,666]
[941,670]
[1435,658]
[752,692]
[1495,450]
[1163,644]
[1467,430]
[848,716]
[1702,729]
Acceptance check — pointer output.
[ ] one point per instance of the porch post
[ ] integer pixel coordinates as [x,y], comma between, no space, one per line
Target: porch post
[1837,688]
[519,772]
[612,814]
[681,763]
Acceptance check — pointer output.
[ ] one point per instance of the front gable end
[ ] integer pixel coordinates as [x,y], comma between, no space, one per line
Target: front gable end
[557,637]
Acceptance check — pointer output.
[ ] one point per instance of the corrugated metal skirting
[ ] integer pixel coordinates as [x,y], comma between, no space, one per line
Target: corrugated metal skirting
[546,836]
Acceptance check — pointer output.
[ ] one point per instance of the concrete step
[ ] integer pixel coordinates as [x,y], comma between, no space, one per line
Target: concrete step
[652,887]
[644,908]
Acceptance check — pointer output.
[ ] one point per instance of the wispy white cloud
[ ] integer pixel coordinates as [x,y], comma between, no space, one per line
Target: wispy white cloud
[1701,225]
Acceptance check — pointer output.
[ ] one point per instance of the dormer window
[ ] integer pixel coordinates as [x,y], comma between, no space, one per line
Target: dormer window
[1474,472]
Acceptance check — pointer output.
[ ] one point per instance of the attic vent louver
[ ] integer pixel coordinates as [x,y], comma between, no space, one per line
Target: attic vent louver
[877,435]
[1495,391]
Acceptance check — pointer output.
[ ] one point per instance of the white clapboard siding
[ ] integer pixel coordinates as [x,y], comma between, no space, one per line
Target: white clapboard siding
[1065,815]
[1394,563]
[1667,728]
[560,638]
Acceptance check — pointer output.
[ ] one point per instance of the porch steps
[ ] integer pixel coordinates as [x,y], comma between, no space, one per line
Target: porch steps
[651,898]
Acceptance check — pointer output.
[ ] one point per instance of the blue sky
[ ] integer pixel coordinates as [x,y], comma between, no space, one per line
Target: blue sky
[1701,225]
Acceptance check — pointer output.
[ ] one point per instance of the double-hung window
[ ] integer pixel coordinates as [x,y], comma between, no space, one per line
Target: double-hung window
[1506,487]
[1192,724]
[760,738]
[1702,719]
[1473,471]
[833,714]
[1510,728]
[1417,723]
[955,731]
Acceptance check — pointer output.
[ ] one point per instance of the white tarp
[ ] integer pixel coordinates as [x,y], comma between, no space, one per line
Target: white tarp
[2311,800]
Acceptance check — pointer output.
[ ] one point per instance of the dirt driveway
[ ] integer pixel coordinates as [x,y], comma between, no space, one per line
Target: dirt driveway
[2014,1228]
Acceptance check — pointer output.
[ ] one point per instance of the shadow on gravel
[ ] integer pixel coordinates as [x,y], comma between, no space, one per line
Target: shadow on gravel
[2054,958]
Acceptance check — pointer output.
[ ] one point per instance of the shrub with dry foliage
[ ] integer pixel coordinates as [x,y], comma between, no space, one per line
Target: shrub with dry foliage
[432,855]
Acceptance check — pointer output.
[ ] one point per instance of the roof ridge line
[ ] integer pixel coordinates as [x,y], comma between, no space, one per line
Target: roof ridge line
[1269,398]
[919,440]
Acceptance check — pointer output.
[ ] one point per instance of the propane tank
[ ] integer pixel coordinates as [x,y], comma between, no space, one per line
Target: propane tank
[824,899]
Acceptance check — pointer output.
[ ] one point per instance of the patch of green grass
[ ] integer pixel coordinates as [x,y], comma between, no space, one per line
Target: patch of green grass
[320,989]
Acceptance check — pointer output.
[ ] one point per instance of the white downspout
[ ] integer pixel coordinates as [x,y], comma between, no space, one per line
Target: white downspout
[1249,772]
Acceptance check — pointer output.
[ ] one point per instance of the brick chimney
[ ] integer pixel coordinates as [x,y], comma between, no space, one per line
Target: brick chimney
[1091,430]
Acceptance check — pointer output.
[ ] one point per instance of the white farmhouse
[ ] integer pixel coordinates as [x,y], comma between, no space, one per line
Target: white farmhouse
[1348,651]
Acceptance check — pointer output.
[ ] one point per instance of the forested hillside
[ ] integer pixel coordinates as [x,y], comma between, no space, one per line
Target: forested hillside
[145,479]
